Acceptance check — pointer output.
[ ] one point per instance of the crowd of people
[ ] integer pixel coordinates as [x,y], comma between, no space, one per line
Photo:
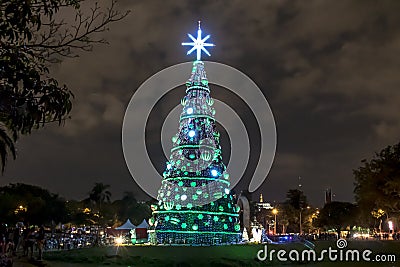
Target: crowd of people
[387,236]
[13,239]
[31,241]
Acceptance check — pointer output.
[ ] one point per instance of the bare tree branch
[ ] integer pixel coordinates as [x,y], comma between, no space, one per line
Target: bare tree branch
[59,39]
[31,38]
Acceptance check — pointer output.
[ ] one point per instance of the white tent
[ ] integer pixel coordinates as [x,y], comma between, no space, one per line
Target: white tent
[144,225]
[126,226]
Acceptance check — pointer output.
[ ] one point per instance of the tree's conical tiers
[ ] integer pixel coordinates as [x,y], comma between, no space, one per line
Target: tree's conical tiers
[195,205]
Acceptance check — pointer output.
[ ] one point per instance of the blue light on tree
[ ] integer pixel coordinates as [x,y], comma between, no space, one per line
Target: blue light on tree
[192,133]
[214,173]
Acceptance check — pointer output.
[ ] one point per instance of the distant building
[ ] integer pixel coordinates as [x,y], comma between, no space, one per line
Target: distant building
[328,196]
[263,205]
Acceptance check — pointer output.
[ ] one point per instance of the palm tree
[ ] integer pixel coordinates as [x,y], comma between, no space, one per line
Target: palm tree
[285,223]
[296,199]
[100,194]
[6,147]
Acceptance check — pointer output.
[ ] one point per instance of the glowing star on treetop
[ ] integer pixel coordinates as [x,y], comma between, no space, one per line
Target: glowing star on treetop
[198,44]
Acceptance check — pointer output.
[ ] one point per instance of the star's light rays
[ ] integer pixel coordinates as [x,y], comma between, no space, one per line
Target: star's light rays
[198,44]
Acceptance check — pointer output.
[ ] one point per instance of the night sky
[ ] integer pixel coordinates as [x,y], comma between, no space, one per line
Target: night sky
[330,71]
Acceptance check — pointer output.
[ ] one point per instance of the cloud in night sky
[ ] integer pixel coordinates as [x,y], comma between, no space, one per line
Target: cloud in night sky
[329,69]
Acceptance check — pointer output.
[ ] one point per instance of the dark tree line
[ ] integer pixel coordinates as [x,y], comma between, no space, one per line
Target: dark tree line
[28,203]
[337,216]
[22,202]
[377,186]
[377,195]
[295,210]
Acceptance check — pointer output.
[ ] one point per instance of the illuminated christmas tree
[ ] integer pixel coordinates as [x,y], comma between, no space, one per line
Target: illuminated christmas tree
[195,205]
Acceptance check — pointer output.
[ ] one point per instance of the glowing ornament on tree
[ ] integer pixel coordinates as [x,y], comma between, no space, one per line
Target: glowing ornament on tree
[168,206]
[191,133]
[206,155]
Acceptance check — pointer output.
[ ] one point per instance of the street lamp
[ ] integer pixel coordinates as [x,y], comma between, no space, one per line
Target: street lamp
[275,212]
[300,224]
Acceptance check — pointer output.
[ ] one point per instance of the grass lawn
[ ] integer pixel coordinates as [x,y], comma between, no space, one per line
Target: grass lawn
[186,256]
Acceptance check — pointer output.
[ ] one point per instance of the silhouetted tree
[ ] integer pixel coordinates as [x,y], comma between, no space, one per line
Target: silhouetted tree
[288,218]
[100,195]
[337,215]
[33,36]
[295,208]
[130,208]
[296,199]
[377,183]
[6,147]
[22,202]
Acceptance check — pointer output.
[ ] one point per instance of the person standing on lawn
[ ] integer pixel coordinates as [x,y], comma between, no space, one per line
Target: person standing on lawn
[40,242]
